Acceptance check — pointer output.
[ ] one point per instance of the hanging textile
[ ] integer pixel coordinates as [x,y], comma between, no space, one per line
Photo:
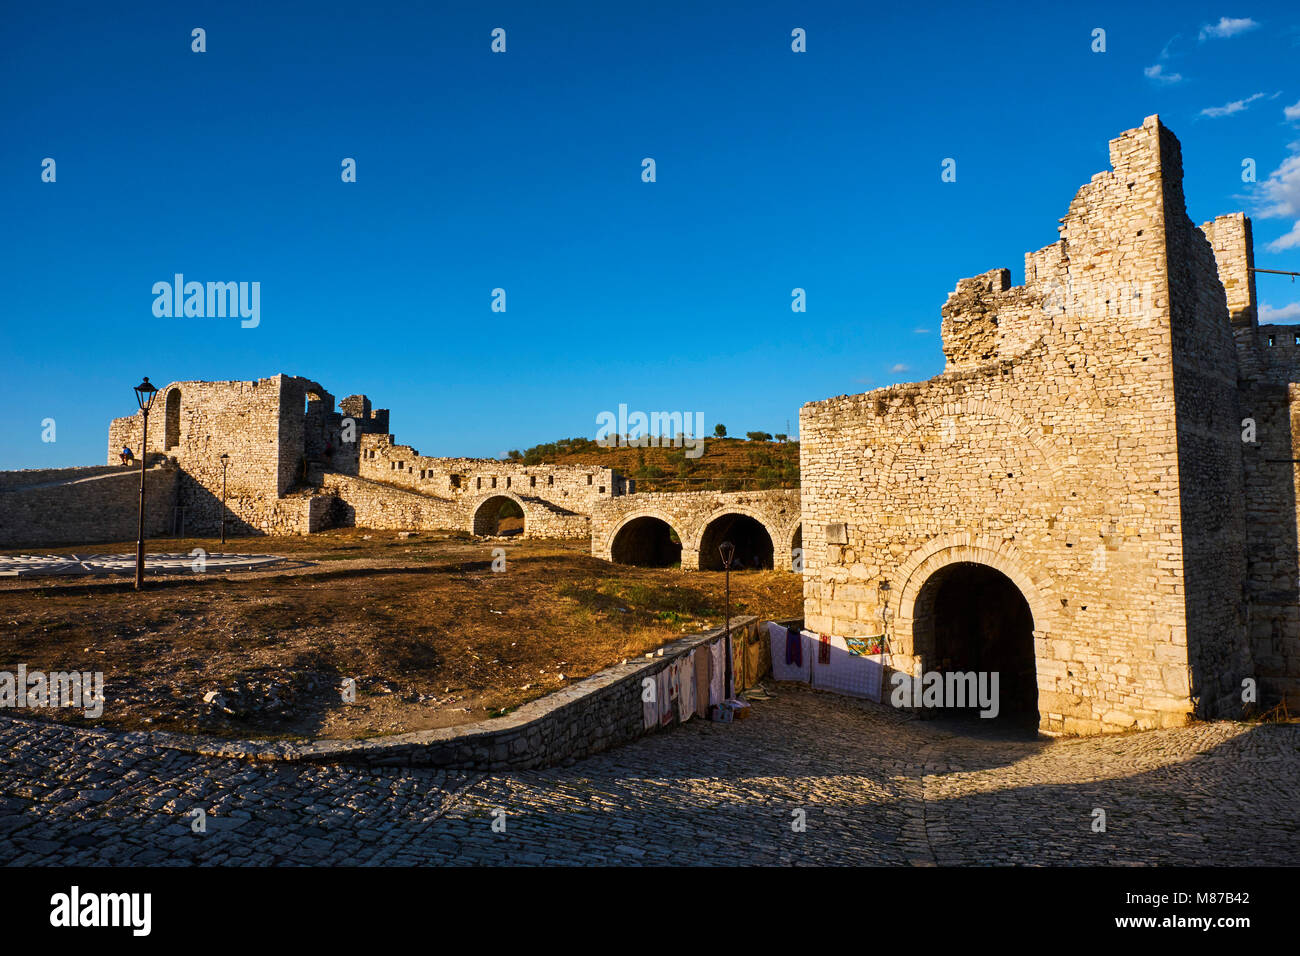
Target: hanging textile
[665,697]
[717,671]
[787,653]
[650,708]
[686,678]
[702,681]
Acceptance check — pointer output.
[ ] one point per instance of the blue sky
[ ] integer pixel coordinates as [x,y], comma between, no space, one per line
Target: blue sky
[522,171]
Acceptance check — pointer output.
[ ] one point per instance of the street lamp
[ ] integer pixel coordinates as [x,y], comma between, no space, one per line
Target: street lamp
[225,460]
[144,395]
[728,552]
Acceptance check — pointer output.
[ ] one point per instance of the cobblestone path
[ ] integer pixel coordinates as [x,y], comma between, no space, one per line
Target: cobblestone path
[810,779]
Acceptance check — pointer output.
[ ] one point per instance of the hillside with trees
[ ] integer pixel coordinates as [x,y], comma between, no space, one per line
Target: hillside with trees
[758,462]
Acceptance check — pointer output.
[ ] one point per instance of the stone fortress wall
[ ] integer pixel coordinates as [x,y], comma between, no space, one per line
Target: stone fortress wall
[60,506]
[1106,467]
[698,520]
[297,464]
[1085,442]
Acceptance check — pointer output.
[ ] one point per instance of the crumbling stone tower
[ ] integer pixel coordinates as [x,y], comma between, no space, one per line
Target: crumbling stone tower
[1071,502]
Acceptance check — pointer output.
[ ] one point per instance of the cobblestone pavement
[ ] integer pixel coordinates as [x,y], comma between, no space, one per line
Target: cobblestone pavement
[869,786]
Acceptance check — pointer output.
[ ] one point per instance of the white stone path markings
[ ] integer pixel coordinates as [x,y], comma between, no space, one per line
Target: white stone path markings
[35,565]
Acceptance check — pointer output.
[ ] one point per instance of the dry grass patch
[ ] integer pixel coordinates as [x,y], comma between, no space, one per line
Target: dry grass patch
[440,641]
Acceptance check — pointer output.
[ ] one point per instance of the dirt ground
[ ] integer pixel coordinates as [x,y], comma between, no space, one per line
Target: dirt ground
[429,633]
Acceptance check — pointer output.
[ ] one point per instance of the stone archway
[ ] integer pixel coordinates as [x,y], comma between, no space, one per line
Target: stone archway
[755,543]
[501,514]
[971,618]
[967,604]
[646,540]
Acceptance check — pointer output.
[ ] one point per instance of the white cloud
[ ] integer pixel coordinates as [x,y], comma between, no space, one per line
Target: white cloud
[1292,113]
[1285,314]
[1279,195]
[900,367]
[1227,27]
[1290,240]
[1158,74]
[921,331]
[1236,106]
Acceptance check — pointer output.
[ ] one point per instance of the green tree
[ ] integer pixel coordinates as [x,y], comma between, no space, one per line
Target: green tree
[720,431]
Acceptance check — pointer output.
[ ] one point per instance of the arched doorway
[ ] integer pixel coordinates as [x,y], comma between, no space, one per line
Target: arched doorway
[648,542]
[499,515]
[796,550]
[751,538]
[172,420]
[971,618]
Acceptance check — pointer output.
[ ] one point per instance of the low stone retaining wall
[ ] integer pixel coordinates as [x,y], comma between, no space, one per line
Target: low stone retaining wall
[102,505]
[589,716]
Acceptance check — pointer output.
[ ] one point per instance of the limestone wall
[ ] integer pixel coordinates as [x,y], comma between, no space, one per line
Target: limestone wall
[362,503]
[557,500]
[690,513]
[585,718]
[1048,450]
[1210,475]
[1268,369]
[88,508]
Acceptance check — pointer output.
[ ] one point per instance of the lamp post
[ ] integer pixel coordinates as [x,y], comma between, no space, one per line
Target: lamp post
[144,395]
[728,552]
[225,460]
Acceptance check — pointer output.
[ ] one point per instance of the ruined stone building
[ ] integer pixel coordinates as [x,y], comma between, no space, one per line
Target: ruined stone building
[296,464]
[1097,496]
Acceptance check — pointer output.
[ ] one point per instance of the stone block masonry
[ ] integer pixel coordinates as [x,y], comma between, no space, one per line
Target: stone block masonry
[636,529]
[85,506]
[1069,500]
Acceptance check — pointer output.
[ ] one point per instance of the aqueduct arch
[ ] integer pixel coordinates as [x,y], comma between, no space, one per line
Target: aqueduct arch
[486,518]
[754,539]
[762,524]
[647,540]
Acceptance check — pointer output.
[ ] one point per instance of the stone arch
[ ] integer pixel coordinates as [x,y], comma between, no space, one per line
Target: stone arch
[969,618]
[966,548]
[645,539]
[751,548]
[631,516]
[172,419]
[909,429]
[483,519]
[977,549]
[796,546]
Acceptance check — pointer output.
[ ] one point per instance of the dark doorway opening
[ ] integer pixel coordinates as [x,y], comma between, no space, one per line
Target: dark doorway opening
[647,542]
[753,543]
[971,618]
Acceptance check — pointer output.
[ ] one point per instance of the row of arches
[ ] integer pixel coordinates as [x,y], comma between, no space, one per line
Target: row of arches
[961,615]
[651,541]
